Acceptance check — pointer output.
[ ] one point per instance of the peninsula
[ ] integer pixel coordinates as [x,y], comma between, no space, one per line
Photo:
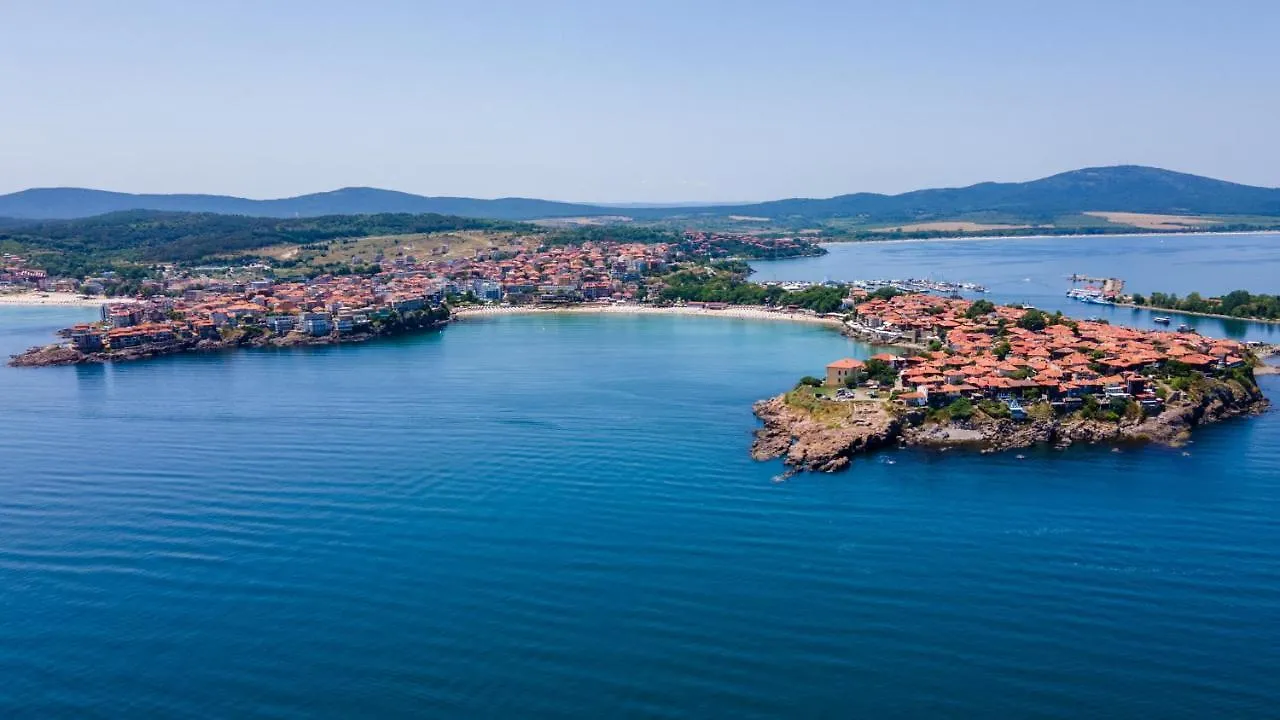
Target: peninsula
[999,378]
[190,309]
[328,310]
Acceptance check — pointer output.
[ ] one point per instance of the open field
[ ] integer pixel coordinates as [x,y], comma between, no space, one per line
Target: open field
[1149,221]
[356,251]
[580,221]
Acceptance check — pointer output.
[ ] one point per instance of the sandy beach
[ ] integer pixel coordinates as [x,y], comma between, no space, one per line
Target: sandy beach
[57,298]
[743,312]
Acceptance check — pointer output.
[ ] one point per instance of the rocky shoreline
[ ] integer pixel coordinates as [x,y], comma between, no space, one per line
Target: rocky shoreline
[62,354]
[828,443]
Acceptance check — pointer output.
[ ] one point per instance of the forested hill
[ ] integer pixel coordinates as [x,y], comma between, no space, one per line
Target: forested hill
[149,236]
[1126,188]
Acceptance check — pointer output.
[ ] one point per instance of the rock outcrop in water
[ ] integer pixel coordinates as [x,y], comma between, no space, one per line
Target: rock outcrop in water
[826,444]
[826,435]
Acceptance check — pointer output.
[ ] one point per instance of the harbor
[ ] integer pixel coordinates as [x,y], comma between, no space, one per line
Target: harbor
[1096,290]
[909,285]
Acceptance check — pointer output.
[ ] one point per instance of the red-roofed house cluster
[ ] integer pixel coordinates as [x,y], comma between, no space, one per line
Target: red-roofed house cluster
[350,304]
[321,307]
[558,274]
[991,356]
[14,273]
[715,245]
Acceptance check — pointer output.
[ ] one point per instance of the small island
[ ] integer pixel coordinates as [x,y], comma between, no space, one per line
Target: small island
[975,375]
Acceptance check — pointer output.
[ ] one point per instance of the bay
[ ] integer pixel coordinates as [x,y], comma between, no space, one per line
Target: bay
[555,516]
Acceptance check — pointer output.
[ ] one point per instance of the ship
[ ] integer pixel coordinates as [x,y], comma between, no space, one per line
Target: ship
[1162,320]
[1089,295]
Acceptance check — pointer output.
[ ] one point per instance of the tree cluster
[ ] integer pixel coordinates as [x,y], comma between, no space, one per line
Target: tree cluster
[1238,303]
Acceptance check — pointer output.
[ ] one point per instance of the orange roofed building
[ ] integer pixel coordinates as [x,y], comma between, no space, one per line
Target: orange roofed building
[841,369]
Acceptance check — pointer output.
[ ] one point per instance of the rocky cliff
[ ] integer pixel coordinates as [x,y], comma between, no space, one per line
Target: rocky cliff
[826,444]
[825,439]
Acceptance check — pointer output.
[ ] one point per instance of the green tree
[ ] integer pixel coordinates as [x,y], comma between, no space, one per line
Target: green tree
[880,371]
[1033,320]
[979,308]
[960,409]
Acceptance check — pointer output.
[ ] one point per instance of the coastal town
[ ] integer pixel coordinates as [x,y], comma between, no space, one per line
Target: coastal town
[188,309]
[1002,377]
[961,371]
[193,312]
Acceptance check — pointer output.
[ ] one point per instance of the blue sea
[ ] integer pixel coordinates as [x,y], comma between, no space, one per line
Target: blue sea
[551,516]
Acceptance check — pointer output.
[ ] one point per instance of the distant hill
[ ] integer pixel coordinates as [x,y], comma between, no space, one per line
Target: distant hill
[1128,188]
[70,203]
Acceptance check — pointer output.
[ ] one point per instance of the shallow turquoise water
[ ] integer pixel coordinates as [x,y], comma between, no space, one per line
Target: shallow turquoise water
[550,516]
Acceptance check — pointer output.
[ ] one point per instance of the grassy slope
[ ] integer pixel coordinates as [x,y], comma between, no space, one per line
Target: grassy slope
[439,246]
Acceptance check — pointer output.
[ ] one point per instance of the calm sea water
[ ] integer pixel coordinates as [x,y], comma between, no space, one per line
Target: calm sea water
[558,517]
[1035,270]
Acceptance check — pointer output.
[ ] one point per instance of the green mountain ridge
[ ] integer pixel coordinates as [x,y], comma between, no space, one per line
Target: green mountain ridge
[1128,188]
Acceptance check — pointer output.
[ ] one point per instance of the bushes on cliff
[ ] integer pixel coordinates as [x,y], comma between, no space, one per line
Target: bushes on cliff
[994,409]
[1244,376]
[1091,410]
[961,409]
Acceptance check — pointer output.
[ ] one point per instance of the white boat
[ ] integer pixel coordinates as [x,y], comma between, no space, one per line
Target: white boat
[1162,320]
[1088,295]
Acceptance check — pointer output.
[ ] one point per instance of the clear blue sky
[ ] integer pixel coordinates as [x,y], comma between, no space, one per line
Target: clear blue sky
[640,101]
